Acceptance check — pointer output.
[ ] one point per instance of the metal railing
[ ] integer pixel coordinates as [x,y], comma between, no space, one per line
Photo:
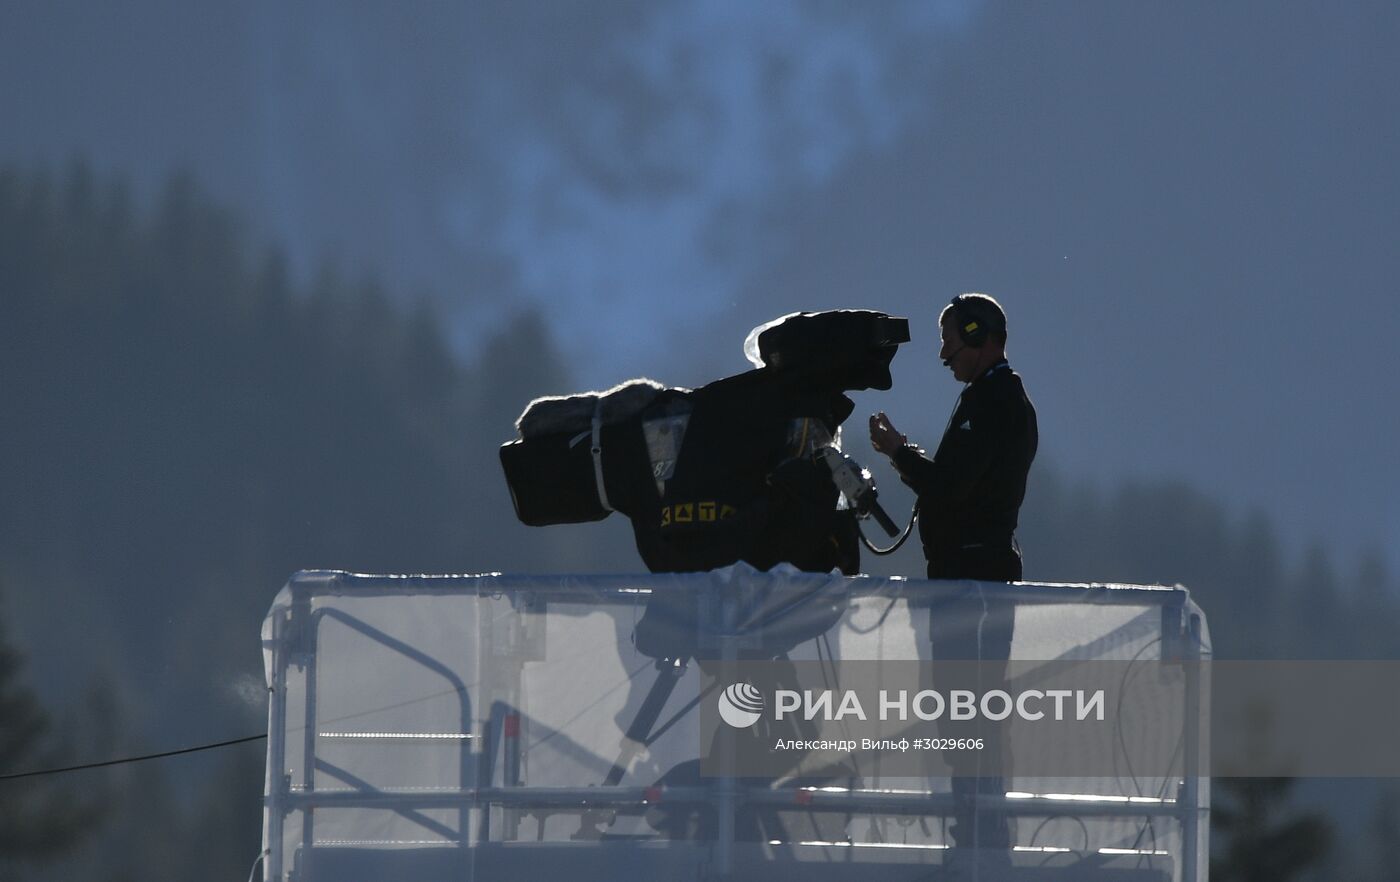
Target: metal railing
[506,645]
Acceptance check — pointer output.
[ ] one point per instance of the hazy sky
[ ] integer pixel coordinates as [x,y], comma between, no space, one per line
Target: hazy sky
[1189,210]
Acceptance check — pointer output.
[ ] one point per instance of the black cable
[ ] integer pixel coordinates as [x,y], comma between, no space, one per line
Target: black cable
[878,622]
[1148,825]
[913,518]
[822,665]
[599,700]
[1120,741]
[1082,826]
[212,746]
[830,662]
[133,759]
[217,744]
[676,718]
[254,869]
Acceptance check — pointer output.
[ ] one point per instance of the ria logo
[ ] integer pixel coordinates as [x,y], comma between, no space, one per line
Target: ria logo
[741,705]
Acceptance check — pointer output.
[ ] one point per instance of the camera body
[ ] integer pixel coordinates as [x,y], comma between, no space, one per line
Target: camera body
[731,471]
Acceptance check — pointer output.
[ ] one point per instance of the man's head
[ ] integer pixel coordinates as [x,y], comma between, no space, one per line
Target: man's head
[973,328]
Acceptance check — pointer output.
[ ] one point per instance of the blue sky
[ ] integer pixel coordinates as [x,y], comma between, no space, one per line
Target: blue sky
[1188,211]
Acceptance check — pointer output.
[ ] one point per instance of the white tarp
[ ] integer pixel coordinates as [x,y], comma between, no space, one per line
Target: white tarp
[444,727]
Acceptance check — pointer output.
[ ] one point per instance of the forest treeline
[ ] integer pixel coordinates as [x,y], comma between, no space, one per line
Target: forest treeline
[1263,600]
[183,424]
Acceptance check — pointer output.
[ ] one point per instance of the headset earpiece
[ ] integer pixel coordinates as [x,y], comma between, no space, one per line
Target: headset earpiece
[972,331]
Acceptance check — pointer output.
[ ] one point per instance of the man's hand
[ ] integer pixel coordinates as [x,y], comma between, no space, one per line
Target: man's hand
[883,435]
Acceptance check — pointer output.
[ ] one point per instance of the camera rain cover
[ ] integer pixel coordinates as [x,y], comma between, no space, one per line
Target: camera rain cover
[858,344]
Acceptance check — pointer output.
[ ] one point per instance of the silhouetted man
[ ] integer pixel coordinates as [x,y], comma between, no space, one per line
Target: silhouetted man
[969,496]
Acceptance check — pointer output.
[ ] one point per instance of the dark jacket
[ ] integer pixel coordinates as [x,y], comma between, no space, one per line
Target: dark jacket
[970,492]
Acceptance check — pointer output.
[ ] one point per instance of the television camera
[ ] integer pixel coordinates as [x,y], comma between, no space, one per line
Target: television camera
[746,468]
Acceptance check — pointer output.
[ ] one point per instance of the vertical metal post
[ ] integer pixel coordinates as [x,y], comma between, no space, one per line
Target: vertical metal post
[516,722]
[509,672]
[725,787]
[504,676]
[1189,799]
[488,701]
[277,781]
[510,745]
[304,625]
[466,765]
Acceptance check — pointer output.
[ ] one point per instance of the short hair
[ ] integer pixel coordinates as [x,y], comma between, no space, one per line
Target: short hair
[978,307]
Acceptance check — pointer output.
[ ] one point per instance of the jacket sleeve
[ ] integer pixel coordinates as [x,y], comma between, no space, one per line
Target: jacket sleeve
[946,481]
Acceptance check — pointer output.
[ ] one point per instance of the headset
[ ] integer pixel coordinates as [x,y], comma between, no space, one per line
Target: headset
[972,330]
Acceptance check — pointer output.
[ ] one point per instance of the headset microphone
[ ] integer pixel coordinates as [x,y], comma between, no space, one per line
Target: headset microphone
[948,362]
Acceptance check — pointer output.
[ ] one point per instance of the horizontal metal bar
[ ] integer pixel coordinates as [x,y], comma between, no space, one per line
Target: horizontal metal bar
[835,800]
[914,803]
[635,587]
[515,797]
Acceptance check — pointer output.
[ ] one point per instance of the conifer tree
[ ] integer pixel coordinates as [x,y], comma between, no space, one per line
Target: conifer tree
[40,817]
[1261,838]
